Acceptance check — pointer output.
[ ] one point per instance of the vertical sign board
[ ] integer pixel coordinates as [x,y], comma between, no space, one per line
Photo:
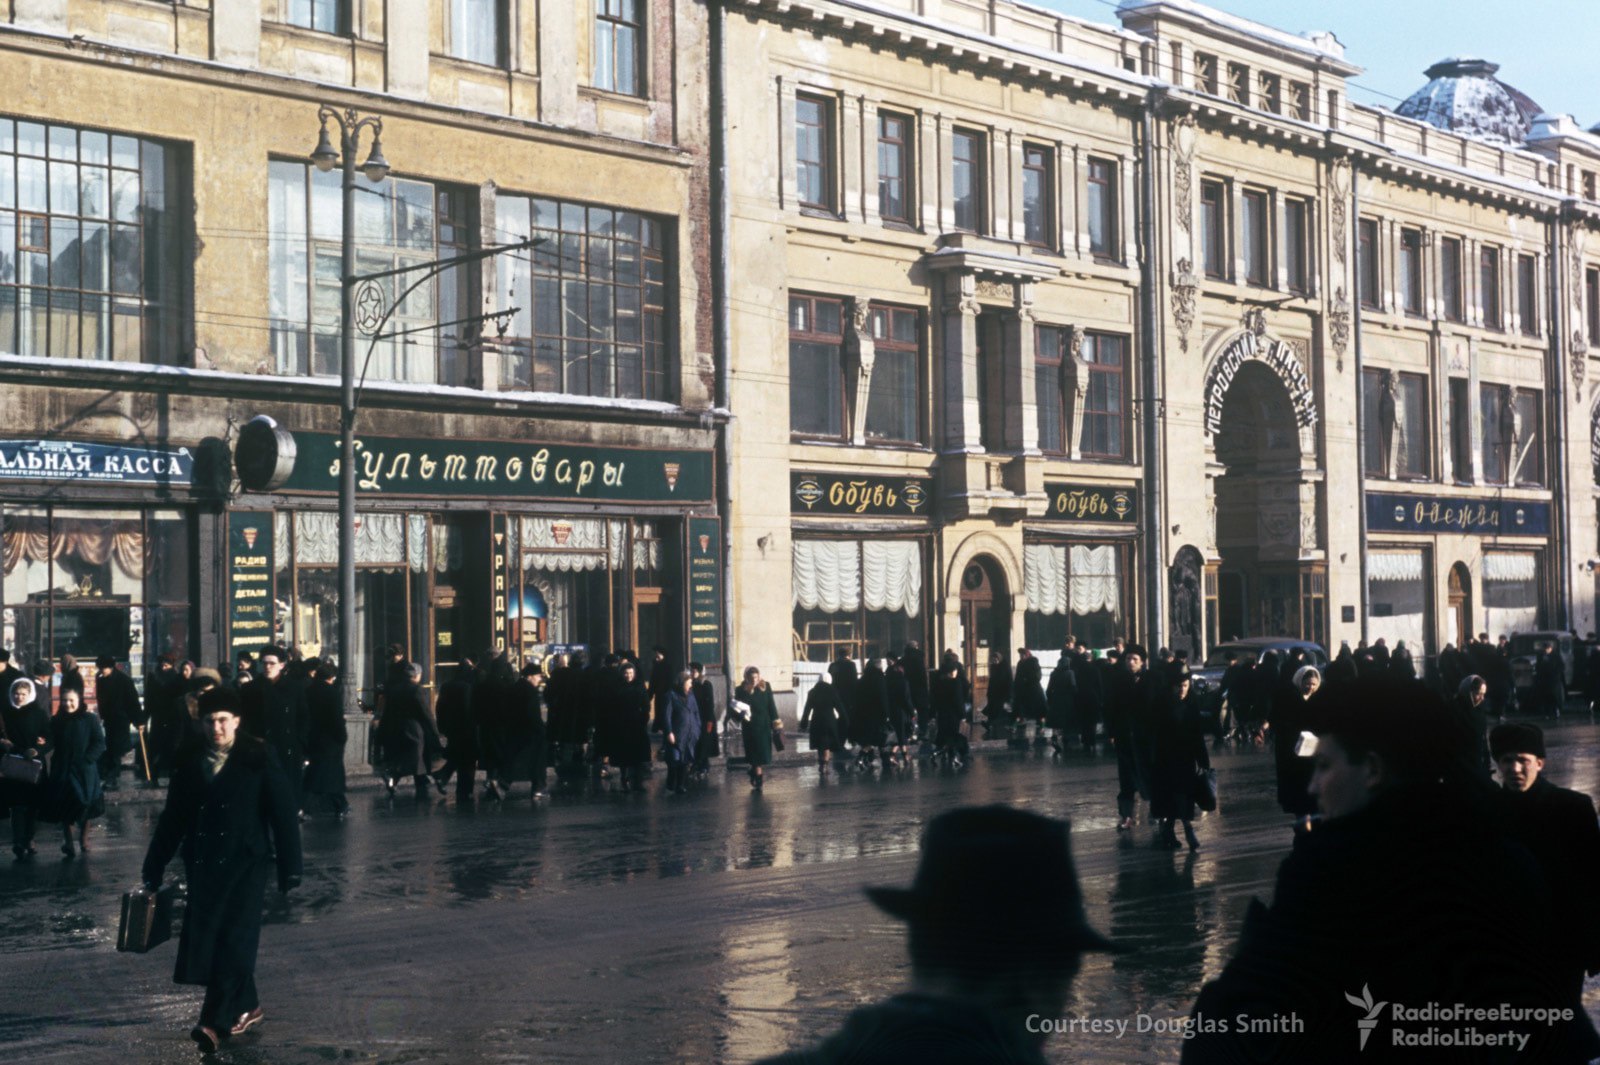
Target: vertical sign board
[705,591]
[500,573]
[250,573]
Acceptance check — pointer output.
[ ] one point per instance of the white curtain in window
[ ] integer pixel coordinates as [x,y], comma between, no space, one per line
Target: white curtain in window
[563,544]
[380,539]
[1509,566]
[449,548]
[417,542]
[827,575]
[280,540]
[1094,578]
[1394,566]
[1510,592]
[1044,578]
[891,576]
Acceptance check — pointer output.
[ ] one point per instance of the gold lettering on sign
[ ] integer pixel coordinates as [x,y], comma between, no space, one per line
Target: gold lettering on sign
[455,467]
[538,465]
[426,468]
[485,470]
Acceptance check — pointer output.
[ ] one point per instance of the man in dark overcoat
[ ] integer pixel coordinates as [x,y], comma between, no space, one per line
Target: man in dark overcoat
[326,736]
[117,701]
[453,711]
[1059,698]
[1549,682]
[1559,828]
[274,710]
[229,811]
[408,735]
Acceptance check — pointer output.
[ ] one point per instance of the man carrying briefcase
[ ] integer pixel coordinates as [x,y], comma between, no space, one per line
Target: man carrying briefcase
[229,807]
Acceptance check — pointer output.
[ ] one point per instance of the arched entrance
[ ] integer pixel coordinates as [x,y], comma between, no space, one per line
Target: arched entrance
[985,621]
[1270,581]
[1460,604]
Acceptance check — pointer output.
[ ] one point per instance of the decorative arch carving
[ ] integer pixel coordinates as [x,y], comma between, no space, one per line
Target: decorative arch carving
[1247,345]
[984,543]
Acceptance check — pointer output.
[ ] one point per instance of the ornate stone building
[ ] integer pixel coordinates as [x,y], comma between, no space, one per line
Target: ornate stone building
[1044,326]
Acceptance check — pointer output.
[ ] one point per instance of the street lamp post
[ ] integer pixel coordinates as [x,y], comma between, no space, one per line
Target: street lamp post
[376,168]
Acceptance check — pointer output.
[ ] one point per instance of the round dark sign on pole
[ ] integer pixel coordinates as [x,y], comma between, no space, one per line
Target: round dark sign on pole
[264,455]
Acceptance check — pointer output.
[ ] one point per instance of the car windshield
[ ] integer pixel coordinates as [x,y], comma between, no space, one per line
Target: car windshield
[1222,656]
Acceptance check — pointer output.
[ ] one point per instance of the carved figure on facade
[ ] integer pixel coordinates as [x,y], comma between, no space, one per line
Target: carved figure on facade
[1308,531]
[1339,326]
[989,289]
[1185,290]
[1512,431]
[1391,420]
[1079,388]
[860,353]
[1340,179]
[1254,320]
[1580,358]
[1185,602]
[1183,137]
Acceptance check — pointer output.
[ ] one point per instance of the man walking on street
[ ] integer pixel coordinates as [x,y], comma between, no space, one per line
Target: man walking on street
[274,710]
[117,700]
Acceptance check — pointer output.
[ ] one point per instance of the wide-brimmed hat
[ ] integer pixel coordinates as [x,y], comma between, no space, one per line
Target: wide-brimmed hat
[972,856]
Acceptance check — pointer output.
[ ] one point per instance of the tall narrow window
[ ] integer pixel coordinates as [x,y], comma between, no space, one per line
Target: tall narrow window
[894,167]
[1591,303]
[477,31]
[968,180]
[1489,286]
[816,366]
[1411,271]
[1528,294]
[1461,429]
[1105,404]
[1038,195]
[1450,278]
[618,30]
[1049,386]
[92,244]
[597,300]
[1300,101]
[1102,208]
[1214,228]
[1255,233]
[813,151]
[1496,415]
[1367,261]
[1297,244]
[1395,424]
[1527,455]
[325,16]
[894,397]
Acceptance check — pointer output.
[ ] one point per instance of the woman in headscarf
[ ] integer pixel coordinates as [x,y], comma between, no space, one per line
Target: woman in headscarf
[683,731]
[1288,721]
[24,731]
[762,722]
[75,796]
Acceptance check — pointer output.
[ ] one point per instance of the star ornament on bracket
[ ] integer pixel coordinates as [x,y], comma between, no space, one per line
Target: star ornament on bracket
[368,310]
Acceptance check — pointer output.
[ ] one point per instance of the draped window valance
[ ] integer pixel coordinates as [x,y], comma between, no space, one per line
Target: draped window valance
[841,576]
[380,539]
[89,541]
[1077,579]
[1509,566]
[1394,566]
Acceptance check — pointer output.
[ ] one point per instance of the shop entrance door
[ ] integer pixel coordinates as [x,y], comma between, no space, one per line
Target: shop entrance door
[1460,604]
[985,628]
[649,622]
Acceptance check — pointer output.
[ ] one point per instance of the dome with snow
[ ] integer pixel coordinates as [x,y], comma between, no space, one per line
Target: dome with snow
[1464,96]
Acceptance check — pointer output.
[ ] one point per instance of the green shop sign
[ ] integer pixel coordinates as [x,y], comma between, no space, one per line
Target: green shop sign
[504,469]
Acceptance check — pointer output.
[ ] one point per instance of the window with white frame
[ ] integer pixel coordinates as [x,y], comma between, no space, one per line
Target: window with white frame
[477,31]
[618,57]
[1398,597]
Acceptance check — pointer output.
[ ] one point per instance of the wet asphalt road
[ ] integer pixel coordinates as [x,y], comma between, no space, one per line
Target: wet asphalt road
[715,927]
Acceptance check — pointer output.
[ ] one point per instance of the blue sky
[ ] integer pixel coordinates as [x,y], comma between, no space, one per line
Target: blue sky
[1550,49]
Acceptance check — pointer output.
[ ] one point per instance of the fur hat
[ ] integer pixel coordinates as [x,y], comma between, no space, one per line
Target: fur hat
[1521,738]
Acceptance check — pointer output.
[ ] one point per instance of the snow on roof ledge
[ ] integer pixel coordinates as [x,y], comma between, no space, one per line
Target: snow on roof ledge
[1320,42]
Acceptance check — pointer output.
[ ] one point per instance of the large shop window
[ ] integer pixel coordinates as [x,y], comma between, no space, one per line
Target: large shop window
[399,223]
[92,244]
[1510,592]
[88,582]
[593,299]
[862,598]
[1398,598]
[1075,589]
[579,582]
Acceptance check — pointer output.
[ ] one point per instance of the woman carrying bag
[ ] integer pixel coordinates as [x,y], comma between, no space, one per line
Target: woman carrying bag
[25,733]
[761,726]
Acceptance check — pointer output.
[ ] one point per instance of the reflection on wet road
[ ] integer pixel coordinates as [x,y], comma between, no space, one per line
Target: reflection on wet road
[601,927]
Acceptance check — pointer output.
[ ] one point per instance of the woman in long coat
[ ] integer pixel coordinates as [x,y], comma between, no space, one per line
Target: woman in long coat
[522,751]
[869,714]
[1288,720]
[683,731]
[326,735]
[1027,693]
[996,708]
[74,796]
[25,731]
[409,737]
[820,719]
[1178,755]
[631,719]
[229,810]
[1059,699]
[902,710]
[757,695]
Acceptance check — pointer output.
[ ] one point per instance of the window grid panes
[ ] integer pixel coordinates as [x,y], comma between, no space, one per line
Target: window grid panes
[968,192]
[893,398]
[399,223]
[1411,271]
[324,16]
[1367,261]
[813,153]
[1450,278]
[1297,245]
[617,55]
[1050,387]
[90,246]
[1489,286]
[1408,413]
[1105,404]
[592,298]
[1214,228]
[816,367]
[1038,185]
[894,167]
[1102,208]
[475,31]
[1496,414]
[1528,295]
[1527,423]
[1256,235]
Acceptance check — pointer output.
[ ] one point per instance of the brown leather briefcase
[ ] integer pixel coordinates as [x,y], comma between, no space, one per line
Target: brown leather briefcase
[147,918]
